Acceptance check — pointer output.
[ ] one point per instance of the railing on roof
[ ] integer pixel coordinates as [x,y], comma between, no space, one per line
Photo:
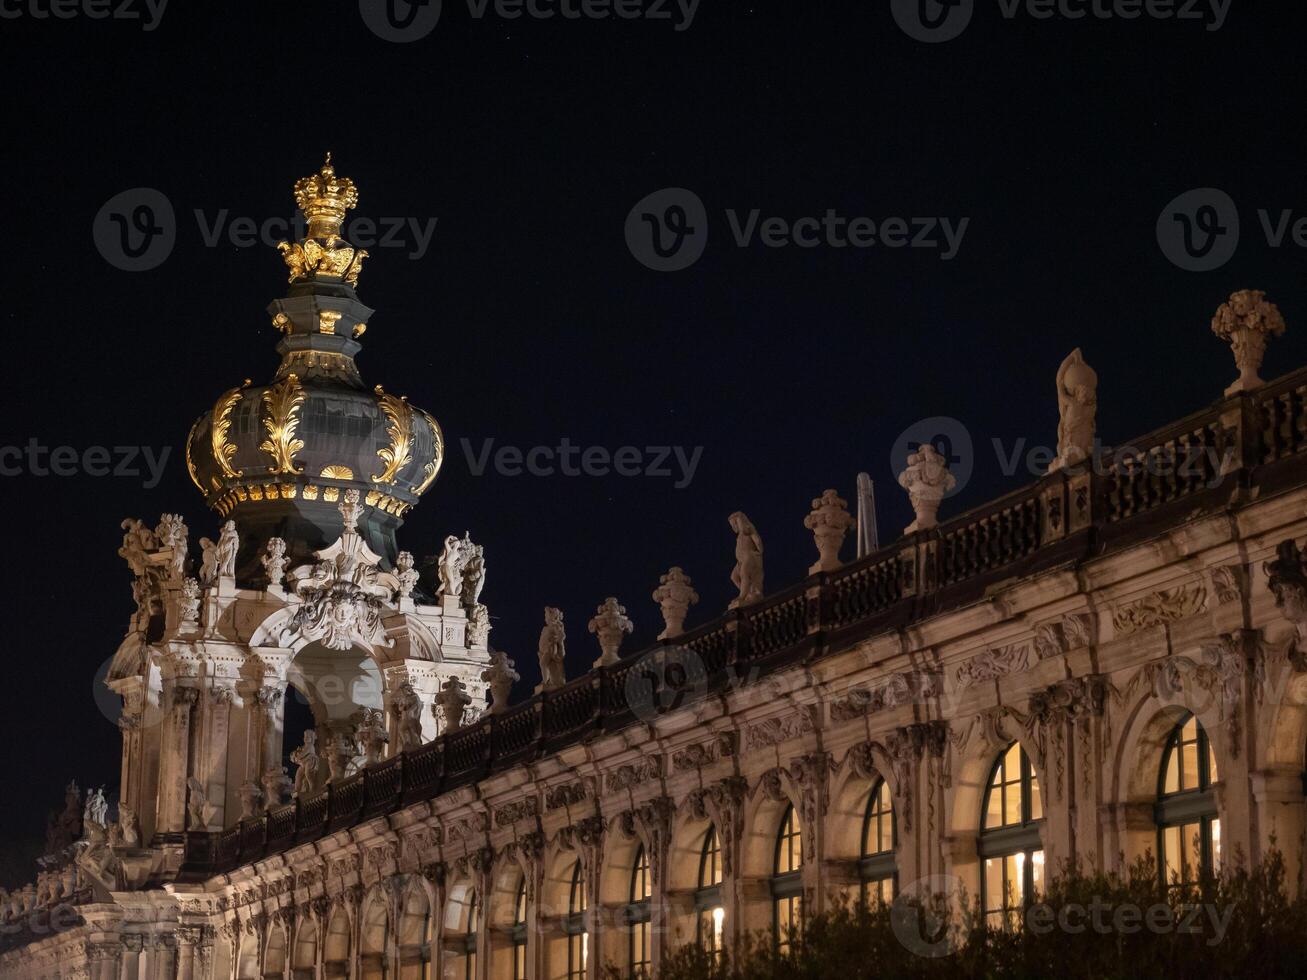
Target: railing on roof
[1066,516]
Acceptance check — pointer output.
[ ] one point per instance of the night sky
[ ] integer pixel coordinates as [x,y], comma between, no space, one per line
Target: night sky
[529,320]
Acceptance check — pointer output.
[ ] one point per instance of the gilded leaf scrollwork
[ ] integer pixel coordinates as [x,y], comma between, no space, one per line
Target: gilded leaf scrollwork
[399,429]
[282,403]
[223,450]
[437,456]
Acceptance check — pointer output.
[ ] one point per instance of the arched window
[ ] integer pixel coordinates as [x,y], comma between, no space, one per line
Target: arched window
[415,933]
[637,917]
[1010,842]
[274,956]
[469,940]
[578,937]
[877,868]
[335,952]
[247,960]
[519,932]
[374,958]
[304,957]
[787,882]
[1188,829]
[711,914]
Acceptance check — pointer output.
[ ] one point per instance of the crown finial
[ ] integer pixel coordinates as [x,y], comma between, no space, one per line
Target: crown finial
[324,198]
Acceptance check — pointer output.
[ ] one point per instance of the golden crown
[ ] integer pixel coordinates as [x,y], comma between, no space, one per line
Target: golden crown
[324,198]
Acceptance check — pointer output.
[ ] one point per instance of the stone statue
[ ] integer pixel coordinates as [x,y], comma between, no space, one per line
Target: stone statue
[198,809]
[1245,321]
[138,542]
[408,706]
[552,650]
[453,700]
[747,574]
[308,775]
[406,573]
[190,602]
[609,625]
[675,595]
[342,750]
[275,561]
[451,567]
[276,786]
[251,800]
[474,572]
[1077,404]
[478,626]
[927,480]
[172,533]
[229,543]
[96,813]
[129,827]
[208,562]
[372,735]
[499,677]
[829,521]
[65,827]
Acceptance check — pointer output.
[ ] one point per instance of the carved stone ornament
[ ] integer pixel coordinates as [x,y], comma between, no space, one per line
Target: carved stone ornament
[1245,321]
[675,595]
[1077,405]
[993,664]
[698,754]
[829,522]
[609,625]
[1160,608]
[499,677]
[552,650]
[747,574]
[927,481]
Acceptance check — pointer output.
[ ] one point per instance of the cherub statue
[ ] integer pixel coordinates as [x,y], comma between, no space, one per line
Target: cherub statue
[474,572]
[208,562]
[408,706]
[451,567]
[276,785]
[747,574]
[274,562]
[1077,405]
[198,810]
[138,541]
[372,735]
[307,759]
[552,650]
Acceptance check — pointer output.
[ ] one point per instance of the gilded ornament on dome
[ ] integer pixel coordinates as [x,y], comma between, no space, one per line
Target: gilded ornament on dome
[282,402]
[431,469]
[399,429]
[223,450]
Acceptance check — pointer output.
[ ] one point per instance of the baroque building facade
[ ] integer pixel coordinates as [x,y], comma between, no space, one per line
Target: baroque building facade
[1103,664]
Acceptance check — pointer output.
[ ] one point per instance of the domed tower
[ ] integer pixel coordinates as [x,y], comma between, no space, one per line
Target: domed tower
[277,458]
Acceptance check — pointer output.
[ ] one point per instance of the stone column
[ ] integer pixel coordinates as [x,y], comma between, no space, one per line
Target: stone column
[212,766]
[1280,815]
[131,956]
[811,777]
[175,760]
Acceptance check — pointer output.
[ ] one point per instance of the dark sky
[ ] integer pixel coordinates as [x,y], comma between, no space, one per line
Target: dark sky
[529,320]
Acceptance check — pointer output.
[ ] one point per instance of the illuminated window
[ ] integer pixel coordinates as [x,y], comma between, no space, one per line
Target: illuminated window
[1188,828]
[637,918]
[304,956]
[877,867]
[709,911]
[519,933]
[335,952]
[469,940]
[1010,842]
[578,938]
[787,882]
[415,932]
[274,957]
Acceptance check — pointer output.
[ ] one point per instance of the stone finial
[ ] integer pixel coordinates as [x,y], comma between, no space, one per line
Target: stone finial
[372,735]
[478,627]
[274,562]
[277,785]
[552,650]
[1077,406]
[251,800]
[927,480]
[500,677]
[829,521]
[609,624]
[406,573]
[1245,321]
[350,510]
[190,602]
[747,574]
[675,595]
[453,701]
